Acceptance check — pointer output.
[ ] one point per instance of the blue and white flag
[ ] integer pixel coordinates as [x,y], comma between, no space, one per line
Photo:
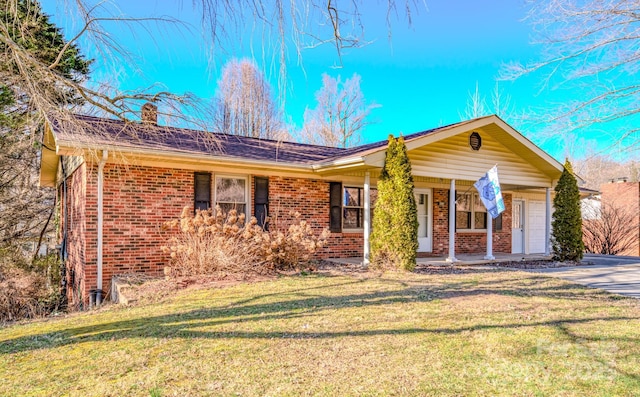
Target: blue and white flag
[490,193]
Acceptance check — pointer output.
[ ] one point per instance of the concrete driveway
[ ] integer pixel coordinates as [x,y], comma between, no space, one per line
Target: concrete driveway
[616,274]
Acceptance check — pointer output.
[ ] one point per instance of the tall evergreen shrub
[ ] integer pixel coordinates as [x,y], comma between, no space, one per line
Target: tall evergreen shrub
[394,237]
[567,220]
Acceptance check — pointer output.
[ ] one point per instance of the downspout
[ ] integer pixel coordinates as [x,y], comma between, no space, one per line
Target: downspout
[105,155]
[547,222]
[367,218]
[65,232]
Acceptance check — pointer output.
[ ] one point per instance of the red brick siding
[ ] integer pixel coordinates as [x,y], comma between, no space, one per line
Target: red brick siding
[310,198]
[74,223]
[137,201]
[467,242]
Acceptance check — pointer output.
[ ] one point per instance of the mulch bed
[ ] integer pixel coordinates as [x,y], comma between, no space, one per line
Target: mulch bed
[332,267]
[538,264]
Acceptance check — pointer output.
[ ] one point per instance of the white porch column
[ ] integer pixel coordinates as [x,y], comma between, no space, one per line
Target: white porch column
[452,222]
[489,255]
[367,219]
[547,225]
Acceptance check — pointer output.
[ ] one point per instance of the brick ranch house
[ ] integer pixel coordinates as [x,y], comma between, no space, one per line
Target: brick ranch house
[117,183]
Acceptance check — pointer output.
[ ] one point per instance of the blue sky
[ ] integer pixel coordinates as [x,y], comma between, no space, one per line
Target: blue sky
[421,78]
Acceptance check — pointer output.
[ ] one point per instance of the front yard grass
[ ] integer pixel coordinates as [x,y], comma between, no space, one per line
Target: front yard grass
[482,332]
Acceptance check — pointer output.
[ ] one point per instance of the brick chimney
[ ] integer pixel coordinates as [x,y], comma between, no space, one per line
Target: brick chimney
[150,113]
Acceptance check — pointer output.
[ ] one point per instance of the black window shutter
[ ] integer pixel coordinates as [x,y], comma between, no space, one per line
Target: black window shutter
[261,201]
[335,203]
[202,190]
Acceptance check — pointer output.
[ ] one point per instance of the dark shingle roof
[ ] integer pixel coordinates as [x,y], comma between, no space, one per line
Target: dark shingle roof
[100,132]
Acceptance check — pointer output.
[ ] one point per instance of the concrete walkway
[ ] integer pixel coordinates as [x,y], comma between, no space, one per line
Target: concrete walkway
[616,274]
[463,259]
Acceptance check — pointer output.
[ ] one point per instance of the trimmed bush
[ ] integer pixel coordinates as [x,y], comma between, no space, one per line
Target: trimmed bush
[567,220]
[394,237]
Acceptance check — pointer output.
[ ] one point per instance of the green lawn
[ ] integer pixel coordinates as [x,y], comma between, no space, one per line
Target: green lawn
[476,333]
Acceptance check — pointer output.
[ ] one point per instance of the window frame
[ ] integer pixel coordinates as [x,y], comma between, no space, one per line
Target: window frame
[497,223]
[344,206]
[264,223]
[472,214]
[195,190]
[247,191]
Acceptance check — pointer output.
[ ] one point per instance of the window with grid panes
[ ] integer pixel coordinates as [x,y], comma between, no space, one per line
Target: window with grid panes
[231,193]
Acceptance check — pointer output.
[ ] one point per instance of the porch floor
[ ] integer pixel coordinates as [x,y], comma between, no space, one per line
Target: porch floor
[463,259]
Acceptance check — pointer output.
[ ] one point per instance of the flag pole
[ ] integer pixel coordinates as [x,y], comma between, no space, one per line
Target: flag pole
[491,196]
[489,255]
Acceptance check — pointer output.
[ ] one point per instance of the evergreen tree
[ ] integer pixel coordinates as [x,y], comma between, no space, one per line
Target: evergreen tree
[28,29]
[567,219]
[24,207]
[394,237]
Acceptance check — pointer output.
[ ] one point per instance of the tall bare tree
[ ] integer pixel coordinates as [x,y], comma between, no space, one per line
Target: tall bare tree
[499,103]
[302,24]
[40,83]
[244,103]
[597,169]
[340,114]
[476,105]
[592,45]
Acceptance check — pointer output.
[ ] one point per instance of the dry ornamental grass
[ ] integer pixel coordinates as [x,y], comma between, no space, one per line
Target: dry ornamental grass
[217,243]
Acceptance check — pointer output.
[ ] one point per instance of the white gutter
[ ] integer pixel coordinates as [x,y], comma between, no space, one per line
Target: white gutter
[69,149]
[367,219]
[105,155]
[340,163]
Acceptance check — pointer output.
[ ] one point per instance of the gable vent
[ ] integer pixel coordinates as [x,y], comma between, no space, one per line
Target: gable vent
[475,141]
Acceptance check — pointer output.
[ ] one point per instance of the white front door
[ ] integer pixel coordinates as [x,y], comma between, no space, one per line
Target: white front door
[536,226]
[517,227]
[423,205]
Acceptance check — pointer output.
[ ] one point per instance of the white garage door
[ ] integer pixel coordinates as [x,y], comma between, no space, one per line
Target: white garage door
[536,227]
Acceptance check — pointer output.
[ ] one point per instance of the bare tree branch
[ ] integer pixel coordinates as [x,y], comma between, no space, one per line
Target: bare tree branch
[610,230]
[340,114]
[591,46]
[244,103]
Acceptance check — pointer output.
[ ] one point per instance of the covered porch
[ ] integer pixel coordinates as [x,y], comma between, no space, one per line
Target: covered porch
[445,163]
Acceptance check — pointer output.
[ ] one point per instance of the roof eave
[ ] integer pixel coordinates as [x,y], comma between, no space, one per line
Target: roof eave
[48,160]
[530,145]
[339,164]
[70,148]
